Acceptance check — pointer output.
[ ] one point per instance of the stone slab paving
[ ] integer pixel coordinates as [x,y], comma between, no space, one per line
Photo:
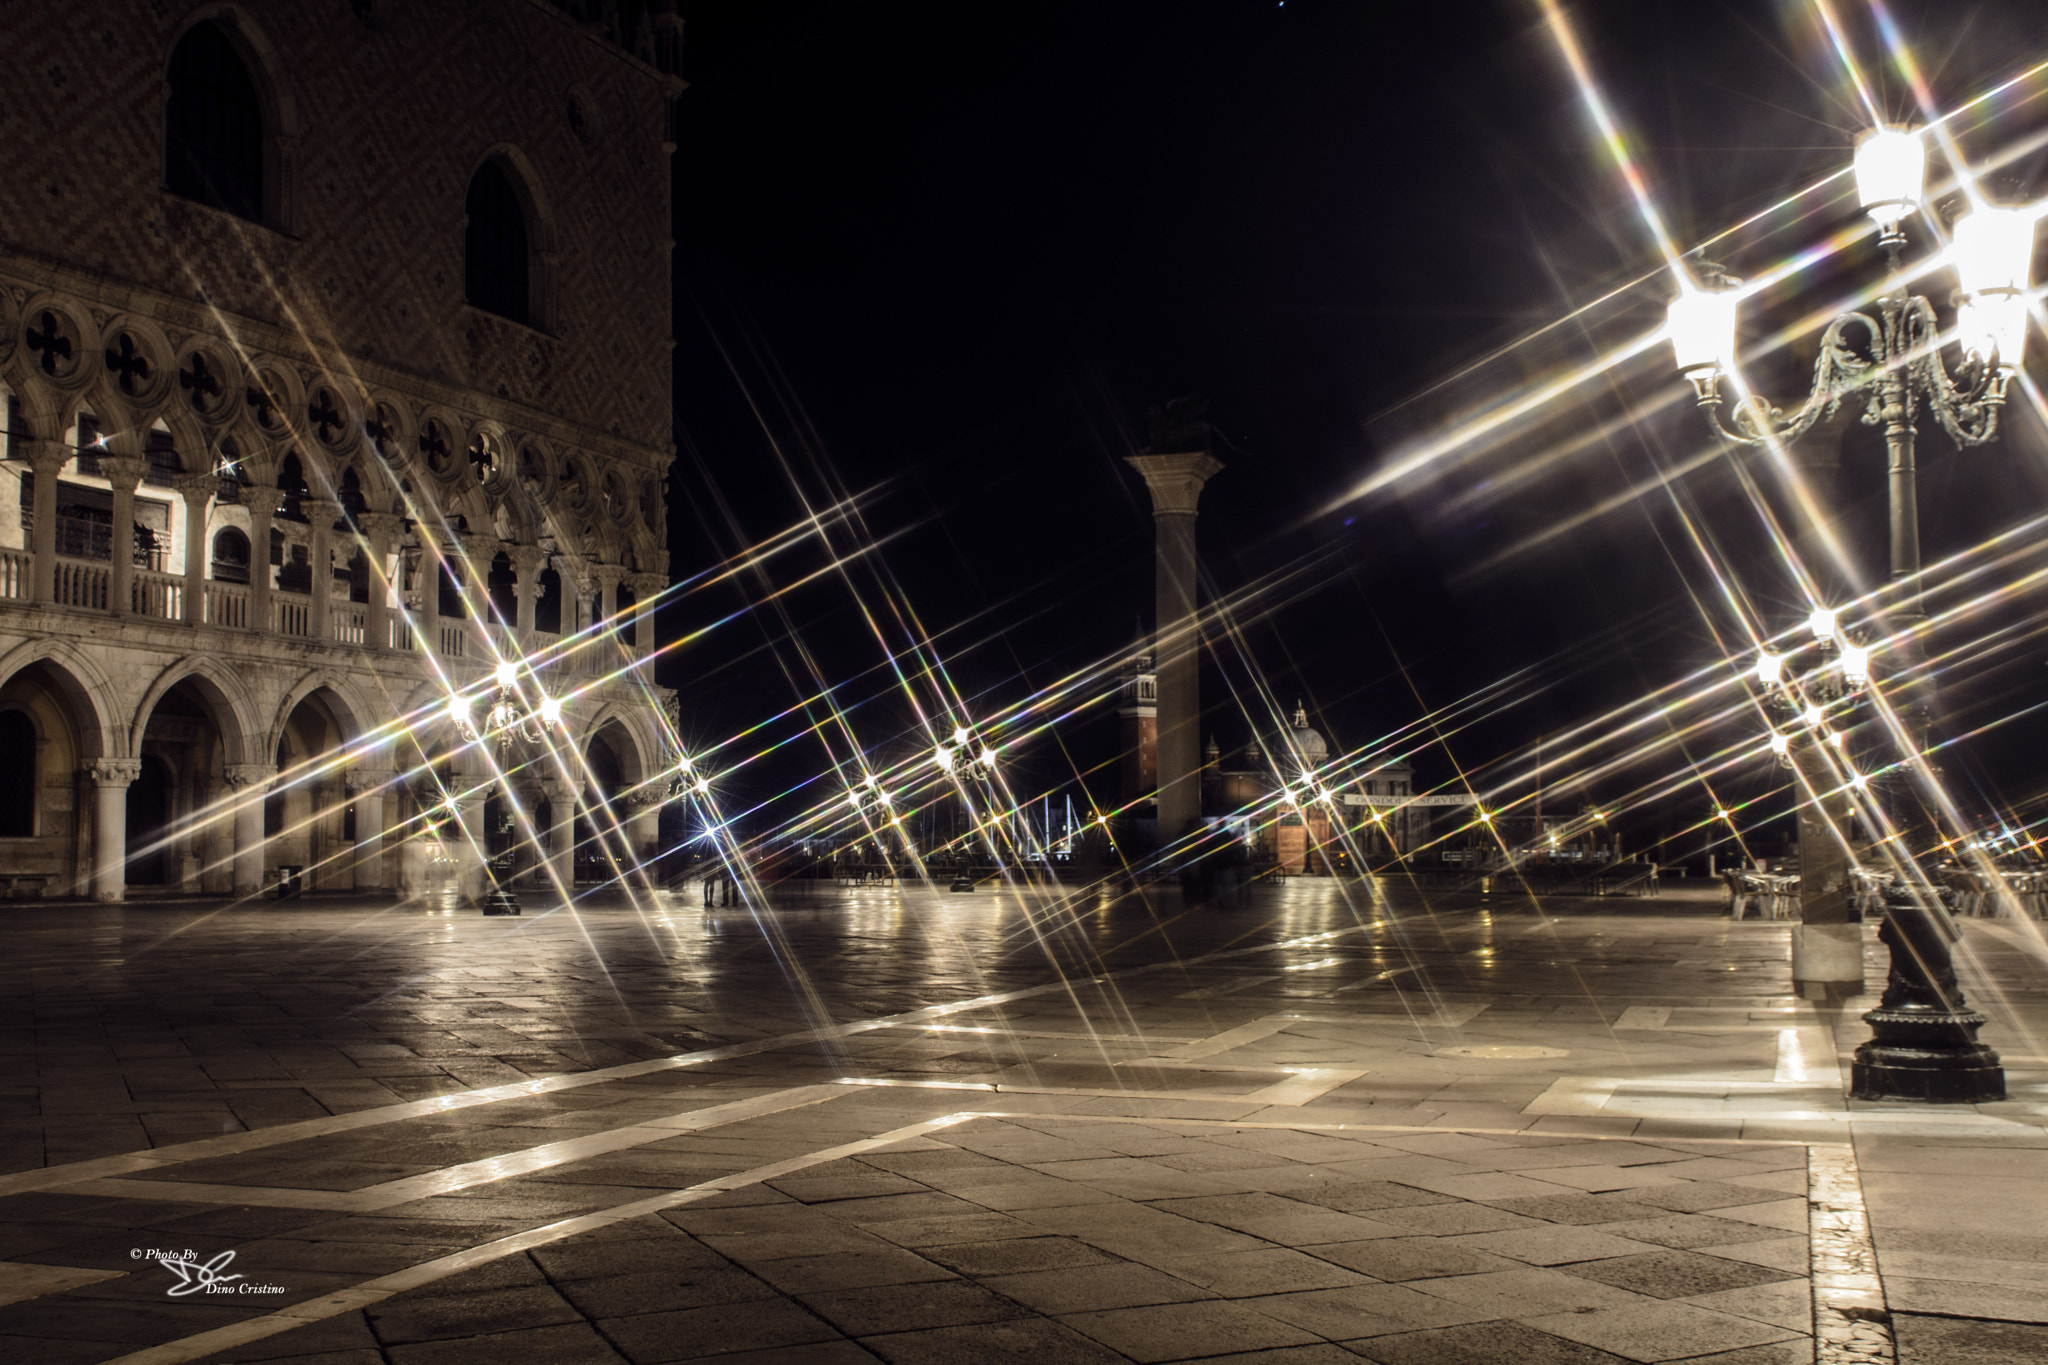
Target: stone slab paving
[1325,1125]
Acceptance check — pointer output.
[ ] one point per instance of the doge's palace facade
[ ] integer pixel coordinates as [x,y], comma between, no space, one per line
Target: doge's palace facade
[335,346]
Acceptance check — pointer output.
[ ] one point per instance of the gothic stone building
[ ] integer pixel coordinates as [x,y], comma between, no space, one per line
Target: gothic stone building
[335,348]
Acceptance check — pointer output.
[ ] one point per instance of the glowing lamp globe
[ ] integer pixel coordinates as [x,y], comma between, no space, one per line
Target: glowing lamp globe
[507,673]
[1701,325]
[1769,668]
[458,709]
[1994,251]
[1856,665]
[1994,324]
[1814,715]
[1891,174]
[988,757]
[944,758]
[1780,744]
[1822,623]
[551,714]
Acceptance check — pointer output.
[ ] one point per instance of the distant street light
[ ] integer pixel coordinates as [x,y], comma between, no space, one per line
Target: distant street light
[510,718]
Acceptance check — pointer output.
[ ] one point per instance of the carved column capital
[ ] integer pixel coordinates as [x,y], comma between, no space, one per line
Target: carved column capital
[322,513]
[381,529]
[645,799]
[47,457]
[572,568]
[113,772]
[360,780]
[647,585]
[1175,480]
[607,577]
[123,471]
[528,560]
[261,500]
[196,487]
[242,776]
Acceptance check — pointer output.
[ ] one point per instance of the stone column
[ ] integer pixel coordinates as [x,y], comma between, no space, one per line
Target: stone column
[196,490]
[428,579]
[1176,484]
[608,577]
[477,553]
[262,504]
[528,562]
[366,787]
[111,778]
[320,516]
[123,473]
[562,836]
[380,532]
[573,569]
[249,782]
[647,591]
[643,834]
[47,459]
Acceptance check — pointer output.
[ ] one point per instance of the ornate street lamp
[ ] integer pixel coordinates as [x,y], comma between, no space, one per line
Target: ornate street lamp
[963,759]
[509,718]
[1923,1043]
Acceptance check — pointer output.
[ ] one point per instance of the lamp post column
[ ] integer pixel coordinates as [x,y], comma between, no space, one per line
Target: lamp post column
[196,490]
[1176,483]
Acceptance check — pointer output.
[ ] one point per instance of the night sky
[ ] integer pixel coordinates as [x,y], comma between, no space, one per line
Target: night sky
[943,256]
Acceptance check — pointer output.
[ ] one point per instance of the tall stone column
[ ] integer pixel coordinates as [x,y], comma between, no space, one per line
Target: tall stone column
[1176,484]
[123,473]
[47,459]
[528,562]
[647,591]
[380,537]
[562,836]
[427,581]
[608,576]
[111,778]
[249,781]
[574,572]
[366,786]
[196,490]
[477,553]
[321,514]
[262,502]
[643,835]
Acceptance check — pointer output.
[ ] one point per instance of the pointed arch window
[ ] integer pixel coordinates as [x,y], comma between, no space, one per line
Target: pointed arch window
[213,126]
[497,252]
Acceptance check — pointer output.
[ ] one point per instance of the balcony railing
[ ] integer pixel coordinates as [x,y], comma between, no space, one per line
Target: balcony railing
[87,584]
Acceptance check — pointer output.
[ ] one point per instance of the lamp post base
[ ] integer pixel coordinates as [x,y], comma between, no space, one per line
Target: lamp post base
[499,901]
[1930,1055]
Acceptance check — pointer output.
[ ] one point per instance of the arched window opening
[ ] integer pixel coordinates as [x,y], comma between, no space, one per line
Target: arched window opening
[353,503]
[627,621]
[18,760]
[504,587]
[230,556]
[213,125]
[497,268]
[451,606]
[291,487]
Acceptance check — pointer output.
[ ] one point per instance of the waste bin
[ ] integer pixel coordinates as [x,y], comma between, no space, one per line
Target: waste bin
[290,879]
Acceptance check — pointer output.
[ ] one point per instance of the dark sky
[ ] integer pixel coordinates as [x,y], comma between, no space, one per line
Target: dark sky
[943,256]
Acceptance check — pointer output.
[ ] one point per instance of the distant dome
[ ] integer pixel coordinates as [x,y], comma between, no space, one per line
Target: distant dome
[1308,746]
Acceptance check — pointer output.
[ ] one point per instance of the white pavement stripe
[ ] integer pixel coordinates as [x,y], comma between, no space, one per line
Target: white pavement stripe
[1000,1032]
[233,1144]
[1806,1056]
[383,1287]
[1376,978]
[1230,1038]
[1644,1017]
[1454,1016]
[470,1173]
[1307,1084]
